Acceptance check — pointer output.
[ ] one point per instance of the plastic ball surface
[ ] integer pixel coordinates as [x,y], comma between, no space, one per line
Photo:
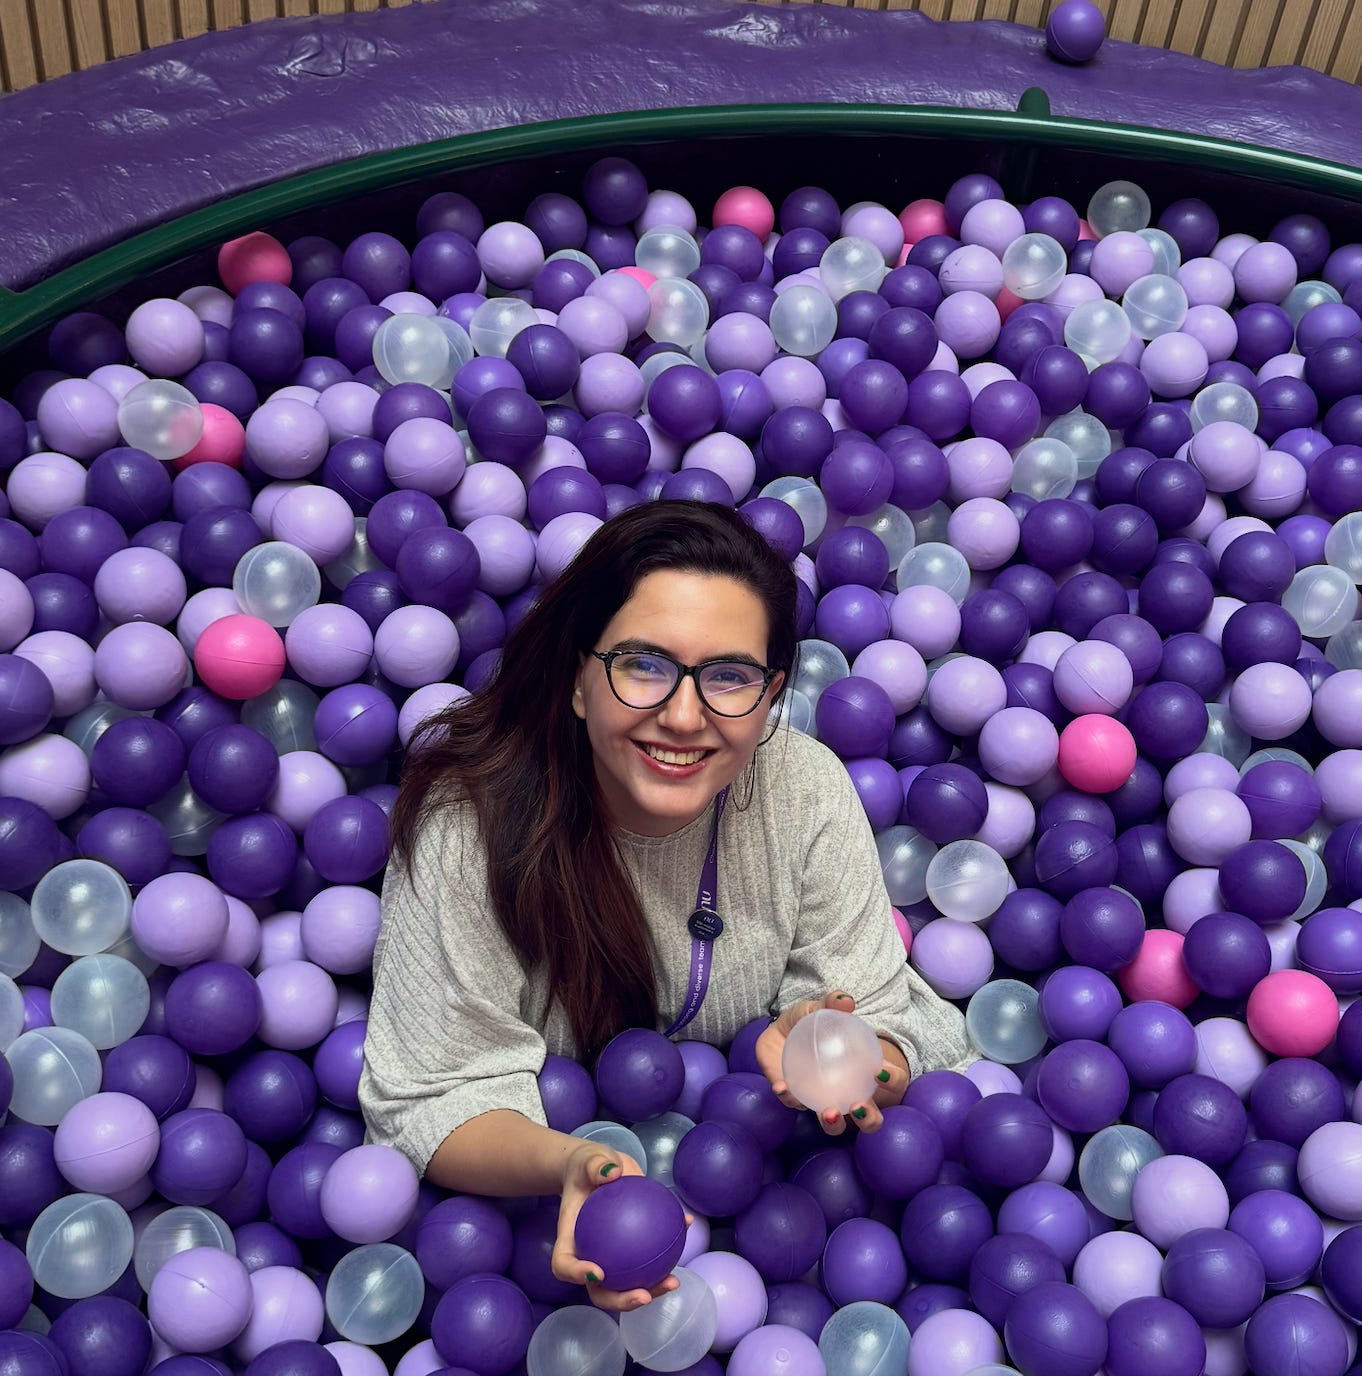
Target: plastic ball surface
[674,1330]
[374,1293]
[634,1229]
[830,1060]
[865,1339]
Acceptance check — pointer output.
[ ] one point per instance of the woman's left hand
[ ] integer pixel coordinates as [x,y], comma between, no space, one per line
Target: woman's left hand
[892,1077]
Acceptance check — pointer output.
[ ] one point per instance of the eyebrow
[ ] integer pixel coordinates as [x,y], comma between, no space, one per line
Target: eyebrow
[636,644]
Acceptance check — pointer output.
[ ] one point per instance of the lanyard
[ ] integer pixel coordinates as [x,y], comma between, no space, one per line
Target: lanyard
[705,925]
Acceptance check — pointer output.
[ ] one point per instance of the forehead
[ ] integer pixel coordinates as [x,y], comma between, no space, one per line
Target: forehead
[694,615]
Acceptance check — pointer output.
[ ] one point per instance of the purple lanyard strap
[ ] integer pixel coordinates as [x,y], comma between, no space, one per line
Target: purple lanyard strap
[705,925]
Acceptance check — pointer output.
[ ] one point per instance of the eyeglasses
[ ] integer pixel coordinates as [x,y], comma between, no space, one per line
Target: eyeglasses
[645,679]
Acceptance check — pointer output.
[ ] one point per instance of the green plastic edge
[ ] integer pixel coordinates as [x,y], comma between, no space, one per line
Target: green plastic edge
[23,313]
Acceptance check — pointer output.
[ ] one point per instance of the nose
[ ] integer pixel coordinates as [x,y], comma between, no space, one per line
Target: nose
[683,711]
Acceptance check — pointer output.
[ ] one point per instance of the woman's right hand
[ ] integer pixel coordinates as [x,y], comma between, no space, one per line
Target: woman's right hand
[587,1168]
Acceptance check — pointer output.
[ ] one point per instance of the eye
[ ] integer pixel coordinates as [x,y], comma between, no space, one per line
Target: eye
[645,666]
[730,675]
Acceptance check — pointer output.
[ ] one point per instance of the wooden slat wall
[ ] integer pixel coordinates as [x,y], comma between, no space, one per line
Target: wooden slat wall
[46,38]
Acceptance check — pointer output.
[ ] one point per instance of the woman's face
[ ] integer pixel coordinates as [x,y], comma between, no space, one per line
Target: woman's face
[692,617]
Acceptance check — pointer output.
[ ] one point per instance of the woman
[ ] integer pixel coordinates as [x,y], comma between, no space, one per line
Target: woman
[550,839]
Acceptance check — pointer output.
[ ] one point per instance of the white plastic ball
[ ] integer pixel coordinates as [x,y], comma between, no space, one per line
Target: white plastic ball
[1034,265]
[275,581]
[79,1245]
[81,906]
[176,1230]
[1118,205]
[830,1060]
[1003,1021]
[851,264]
[161,417]
[678,312]
[803,321]
[375,1292]
[967,880]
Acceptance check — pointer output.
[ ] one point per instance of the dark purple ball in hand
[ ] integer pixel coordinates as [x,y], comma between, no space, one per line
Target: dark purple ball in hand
[634,1229]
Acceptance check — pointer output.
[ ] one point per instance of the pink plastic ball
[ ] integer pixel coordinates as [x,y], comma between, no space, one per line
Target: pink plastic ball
[239,656]
[256,257]
[904,930]
[1292,1013]
[748,207]
[921,218]
[1096,753]
[223,439]
[1157,972]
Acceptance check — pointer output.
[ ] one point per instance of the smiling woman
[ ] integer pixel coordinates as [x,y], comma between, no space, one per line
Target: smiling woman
[548,839]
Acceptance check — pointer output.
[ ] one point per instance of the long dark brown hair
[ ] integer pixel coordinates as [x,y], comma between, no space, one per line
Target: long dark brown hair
[519,753]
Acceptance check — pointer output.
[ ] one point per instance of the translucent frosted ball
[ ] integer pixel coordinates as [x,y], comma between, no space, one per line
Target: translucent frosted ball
[1224,736]
[496,322]
[1109,1163]
[11,1011]
[1098,330]
[79,1245]
[275,581]
[803,321]
[375,1293]
[678,312]
[1343,545]
[667,251]
[188,820]
[893,527]
[967,880]
[161,417]
[81,906]
[577,1341]
[1033,266]
[807,500]
[413,348]
[660,1137]
[830,1060]
[1224,401]
[359,558]
[818,664]
[1003,1021]
[1316,877]
[1085,435]
[851,264]
[674,1330]
[283,715]
[1043,468]
[865,1339]
[103,997]
[796,710]
[178,1230]
[1305,296]
[54,1067]
[1156,305]
[1322,598]
[1118,205]
[615,1136]
[90,723]
[1167,254]
[935,565]
[1344,650]
[904,855]
[19,941]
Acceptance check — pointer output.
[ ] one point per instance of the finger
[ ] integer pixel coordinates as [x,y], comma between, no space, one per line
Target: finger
[618,1301]
[832,1122]
[867,1116]
[840,1001]
[890,1084]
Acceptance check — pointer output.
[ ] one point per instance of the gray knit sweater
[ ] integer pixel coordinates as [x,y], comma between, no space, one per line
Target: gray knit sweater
[455,1027]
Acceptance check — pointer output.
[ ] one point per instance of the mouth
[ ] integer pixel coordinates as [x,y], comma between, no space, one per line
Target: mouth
[671,759]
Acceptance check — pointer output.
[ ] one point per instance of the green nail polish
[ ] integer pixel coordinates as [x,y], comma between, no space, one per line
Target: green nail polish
[883,1077]
[858,1113]
[607,1168]
[593,1278]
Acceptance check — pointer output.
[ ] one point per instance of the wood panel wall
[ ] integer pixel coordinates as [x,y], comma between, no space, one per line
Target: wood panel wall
[40,39]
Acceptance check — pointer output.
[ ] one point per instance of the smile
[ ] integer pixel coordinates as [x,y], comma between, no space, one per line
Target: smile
[674,757]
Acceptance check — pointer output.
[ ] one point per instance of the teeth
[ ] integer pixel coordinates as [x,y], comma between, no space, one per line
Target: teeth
[675,756]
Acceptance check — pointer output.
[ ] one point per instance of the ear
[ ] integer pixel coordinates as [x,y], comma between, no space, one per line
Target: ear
[578,695]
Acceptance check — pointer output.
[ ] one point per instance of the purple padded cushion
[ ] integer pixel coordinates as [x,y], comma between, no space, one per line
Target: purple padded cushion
[91,158]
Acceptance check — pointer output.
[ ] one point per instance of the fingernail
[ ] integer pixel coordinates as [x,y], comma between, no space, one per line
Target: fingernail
[593,1278]
[830,1116]
[883,1077]
[858,1113]
[608,1167]
[840,995]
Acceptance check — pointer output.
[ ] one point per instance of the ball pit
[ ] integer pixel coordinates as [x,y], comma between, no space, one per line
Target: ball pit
[1086,719]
